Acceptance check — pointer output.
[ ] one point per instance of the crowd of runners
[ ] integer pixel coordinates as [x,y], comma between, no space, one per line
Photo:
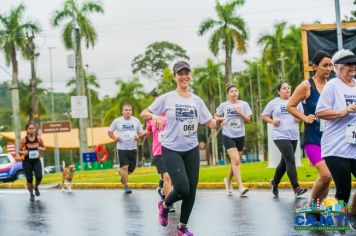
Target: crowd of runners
[326,106]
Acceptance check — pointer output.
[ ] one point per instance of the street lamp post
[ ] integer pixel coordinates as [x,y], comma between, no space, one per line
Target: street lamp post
[90,107]
[55,135]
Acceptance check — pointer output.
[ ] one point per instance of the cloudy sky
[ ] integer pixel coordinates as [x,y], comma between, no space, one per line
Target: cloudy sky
[127,27]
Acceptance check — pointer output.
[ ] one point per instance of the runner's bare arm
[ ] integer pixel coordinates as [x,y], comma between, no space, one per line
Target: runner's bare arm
[148,115]
[268,119]
[332,114]
[214,123]
[113,136]
[22,144]
[41,146]
[300,93]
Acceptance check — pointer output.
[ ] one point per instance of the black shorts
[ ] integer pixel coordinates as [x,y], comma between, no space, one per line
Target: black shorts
[31,167]
[160,164]
[127,158]
[233,142]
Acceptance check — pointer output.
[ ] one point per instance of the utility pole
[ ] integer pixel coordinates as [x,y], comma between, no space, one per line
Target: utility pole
[55,135]
[31,49]
[83,122]
[260,111]
[90,107]
[338,25]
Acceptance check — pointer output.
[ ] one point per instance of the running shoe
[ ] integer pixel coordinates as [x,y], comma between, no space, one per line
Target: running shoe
[37,191]
[32,197]
[162,214]
[172,208]
[183,231]
[299,191]
[159,191]
[352,221]
[243,190]
[274,188]
[127,189]
[228,186]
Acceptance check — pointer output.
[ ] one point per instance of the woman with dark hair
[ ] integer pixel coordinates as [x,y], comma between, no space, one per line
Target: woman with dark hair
[235,113]
[31,148]
[308,92]
[285,134]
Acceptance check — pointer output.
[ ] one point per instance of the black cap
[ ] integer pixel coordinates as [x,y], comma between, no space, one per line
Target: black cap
[344,57]
[180,65]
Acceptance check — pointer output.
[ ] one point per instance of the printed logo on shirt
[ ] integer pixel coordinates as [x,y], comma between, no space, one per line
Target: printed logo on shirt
[231,113]
[184,112]
[127,127]
[284,110]
[350,99]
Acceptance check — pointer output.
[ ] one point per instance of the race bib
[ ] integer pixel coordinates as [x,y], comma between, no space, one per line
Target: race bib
[127,135]
[188,127]
[322,125]
[235,123]
[33,154]
[351,134]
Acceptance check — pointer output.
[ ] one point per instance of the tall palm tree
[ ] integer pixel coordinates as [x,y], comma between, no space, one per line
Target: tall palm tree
[13,30]
[229,33]
[78,27]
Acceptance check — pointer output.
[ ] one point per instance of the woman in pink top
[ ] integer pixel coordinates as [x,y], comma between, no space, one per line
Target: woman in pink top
[157,135]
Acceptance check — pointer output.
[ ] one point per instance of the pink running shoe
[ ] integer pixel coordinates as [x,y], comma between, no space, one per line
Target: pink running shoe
[183,231]
[162,213]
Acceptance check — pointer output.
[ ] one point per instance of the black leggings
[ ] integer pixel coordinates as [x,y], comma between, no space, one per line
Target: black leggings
[341,169]
[34,166]
[287,148]
[183,168]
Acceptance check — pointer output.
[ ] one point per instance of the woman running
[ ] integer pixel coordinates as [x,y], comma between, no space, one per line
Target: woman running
[337,105]
[31,148]
[285,133]
[183,110]
[308,92]
[236,113]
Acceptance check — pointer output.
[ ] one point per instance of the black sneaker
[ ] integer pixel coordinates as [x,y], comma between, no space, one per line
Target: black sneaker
[37,192]
[127,190]
[299,191]
[32,197]
[274,188]
[172,208]
[159,191]
[352,221]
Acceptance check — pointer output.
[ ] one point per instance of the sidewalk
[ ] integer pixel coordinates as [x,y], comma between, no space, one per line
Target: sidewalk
[205,185]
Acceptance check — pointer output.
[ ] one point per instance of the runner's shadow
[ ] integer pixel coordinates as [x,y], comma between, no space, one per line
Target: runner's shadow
[36,218]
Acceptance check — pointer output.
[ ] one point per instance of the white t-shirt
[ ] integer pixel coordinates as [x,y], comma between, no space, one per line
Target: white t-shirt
[234,124]
[336,96]
[183,115]
[126,130]
[288,129]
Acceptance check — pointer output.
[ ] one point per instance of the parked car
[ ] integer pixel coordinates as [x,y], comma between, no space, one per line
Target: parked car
[10,169]
[49,169]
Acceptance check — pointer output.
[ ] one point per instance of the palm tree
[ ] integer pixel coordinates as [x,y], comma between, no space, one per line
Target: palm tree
[91,83]
[12,40]
[229,33]
[129,92]
[78,27]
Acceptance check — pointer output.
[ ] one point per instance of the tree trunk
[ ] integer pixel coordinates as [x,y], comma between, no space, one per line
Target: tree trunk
[228,69]
[83,123]
[15,100]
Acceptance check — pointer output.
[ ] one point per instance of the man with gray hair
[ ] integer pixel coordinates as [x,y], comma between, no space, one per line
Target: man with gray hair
[337,105]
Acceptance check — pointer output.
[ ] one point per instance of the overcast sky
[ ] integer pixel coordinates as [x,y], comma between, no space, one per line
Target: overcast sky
[128,27]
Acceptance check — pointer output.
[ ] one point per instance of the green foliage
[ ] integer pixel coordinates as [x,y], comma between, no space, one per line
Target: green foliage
[90,84]
[167,83]
[156,58]
[75,15]
[351,18]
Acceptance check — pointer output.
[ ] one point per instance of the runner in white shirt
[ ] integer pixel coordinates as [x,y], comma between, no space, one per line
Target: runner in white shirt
[126,130]
[337,105]
[183,110]
[285,134]
[236,113]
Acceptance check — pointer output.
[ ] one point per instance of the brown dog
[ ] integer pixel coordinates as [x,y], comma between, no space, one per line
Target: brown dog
[67,177]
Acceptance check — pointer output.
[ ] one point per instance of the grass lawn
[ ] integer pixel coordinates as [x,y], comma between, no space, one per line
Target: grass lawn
[251,172]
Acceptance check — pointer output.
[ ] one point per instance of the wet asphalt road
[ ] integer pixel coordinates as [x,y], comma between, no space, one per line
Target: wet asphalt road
[111,212]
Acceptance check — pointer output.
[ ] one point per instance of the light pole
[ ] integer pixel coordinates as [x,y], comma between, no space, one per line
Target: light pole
[338,25]
[55,136]
[283,77]
[90,107]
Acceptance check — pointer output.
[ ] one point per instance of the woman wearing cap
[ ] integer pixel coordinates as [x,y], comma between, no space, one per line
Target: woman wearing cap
[236,113]
[285,133]
[337,105]
[183,111]
[308,92]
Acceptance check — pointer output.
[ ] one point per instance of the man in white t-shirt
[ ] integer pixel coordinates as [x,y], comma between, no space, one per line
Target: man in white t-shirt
[126,130]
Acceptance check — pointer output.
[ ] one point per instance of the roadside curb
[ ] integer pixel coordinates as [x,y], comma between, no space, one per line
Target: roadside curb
[204,185]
